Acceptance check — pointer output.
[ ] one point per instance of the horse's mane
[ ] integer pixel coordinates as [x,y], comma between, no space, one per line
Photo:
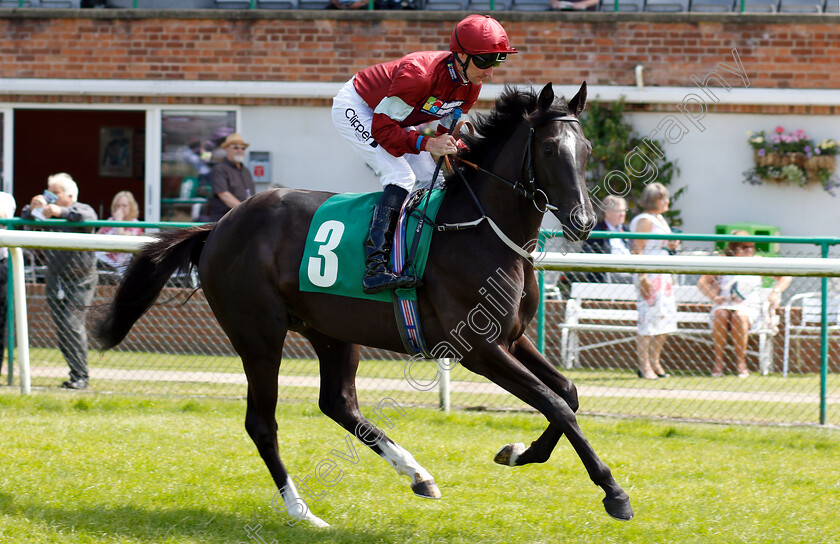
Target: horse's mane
[512,106]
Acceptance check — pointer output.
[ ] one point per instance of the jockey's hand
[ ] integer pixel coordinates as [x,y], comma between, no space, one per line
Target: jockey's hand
[441,145]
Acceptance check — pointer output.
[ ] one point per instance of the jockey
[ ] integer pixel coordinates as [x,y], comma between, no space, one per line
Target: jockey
[377,110]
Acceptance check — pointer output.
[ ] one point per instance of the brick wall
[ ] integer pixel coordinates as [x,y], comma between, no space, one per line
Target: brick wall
[783,51]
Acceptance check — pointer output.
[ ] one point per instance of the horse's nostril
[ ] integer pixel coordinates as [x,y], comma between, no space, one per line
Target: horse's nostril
[582,220]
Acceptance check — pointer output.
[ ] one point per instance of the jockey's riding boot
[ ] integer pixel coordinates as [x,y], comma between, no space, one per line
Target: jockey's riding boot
[378,277]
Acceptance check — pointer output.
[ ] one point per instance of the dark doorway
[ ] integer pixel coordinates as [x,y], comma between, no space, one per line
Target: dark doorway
[104,152]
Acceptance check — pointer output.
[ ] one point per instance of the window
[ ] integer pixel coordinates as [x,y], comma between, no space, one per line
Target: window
[190,147]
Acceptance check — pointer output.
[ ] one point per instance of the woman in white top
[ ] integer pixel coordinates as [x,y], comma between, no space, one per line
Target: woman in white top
[656,304]
[738,304]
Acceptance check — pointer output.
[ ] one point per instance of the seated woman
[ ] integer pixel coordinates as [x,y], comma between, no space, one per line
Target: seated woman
[738,303]
[123,208]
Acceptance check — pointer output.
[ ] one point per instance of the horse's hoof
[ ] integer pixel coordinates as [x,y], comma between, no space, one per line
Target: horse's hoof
[619,507]
[315,521]
[509,454]
[427,489]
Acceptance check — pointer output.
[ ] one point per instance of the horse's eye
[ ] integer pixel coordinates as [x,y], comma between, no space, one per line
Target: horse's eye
[548,149]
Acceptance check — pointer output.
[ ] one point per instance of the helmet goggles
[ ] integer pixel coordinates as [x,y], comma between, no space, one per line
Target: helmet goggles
[488,60]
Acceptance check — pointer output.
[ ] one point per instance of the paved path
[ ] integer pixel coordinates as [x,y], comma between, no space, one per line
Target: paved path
[391,384]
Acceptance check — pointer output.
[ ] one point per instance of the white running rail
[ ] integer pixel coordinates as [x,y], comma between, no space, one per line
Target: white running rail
[678,264]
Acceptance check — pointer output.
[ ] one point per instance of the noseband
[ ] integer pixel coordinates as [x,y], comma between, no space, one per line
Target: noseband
[528,189]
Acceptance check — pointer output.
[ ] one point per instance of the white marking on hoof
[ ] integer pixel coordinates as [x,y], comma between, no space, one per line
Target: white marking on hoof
[426,489]
[403,462]
[315,521]
[509,454]
[296,507]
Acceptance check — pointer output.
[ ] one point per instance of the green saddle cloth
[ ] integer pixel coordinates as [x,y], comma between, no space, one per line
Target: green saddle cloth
[334,256]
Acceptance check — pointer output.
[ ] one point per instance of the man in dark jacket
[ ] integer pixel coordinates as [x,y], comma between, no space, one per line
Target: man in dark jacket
[71,275]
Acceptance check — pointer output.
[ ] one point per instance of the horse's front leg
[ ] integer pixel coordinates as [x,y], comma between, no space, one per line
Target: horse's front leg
[499,365]
[338,401]
[540,450]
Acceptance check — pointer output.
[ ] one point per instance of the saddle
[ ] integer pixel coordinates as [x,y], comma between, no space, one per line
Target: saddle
[333,258]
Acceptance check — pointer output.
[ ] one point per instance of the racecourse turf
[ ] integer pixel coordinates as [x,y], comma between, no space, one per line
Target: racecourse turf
[88,468]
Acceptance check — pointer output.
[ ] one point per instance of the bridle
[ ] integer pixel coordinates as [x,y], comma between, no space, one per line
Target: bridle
[528,189]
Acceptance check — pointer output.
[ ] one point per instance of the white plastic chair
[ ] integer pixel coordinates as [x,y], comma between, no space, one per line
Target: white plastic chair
[810,320]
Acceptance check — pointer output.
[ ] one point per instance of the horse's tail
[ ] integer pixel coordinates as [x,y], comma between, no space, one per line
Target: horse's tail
[176,249]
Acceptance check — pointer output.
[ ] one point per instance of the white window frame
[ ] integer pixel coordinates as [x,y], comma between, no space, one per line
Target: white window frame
[154,121]
[8,149]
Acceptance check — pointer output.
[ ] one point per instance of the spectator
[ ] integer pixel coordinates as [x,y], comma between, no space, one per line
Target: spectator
[615,212]
[7,211]
[574,5]
[123,208]
[71,275]
[378,111]
[230,179]
[738,307]
[656,304]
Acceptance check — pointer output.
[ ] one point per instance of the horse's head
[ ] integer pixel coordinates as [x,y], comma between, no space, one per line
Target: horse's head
[558,154]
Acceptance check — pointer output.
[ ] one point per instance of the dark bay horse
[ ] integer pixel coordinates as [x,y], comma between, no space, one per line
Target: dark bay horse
[530,155]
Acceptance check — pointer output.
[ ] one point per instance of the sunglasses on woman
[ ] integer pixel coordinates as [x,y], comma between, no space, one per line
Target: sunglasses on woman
[488,60]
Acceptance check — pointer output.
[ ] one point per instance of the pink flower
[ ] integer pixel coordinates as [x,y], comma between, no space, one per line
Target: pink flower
[780,129]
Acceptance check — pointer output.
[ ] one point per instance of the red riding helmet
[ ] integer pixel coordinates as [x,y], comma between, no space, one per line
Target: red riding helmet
[479,35]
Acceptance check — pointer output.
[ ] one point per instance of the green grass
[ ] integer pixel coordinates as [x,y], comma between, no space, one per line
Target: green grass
[88,468]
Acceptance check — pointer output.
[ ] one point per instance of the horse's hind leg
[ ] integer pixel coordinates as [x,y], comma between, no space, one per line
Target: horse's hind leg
[258,338]
[540,450]
[262,428]
[338,400]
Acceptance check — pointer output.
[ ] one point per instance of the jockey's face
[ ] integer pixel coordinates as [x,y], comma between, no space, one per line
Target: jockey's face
[474,74]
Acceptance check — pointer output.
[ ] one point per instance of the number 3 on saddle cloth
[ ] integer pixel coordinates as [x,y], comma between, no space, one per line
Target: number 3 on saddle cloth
[334,257]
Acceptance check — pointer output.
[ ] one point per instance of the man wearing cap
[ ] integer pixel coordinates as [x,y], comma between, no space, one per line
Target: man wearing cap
[378,109]
[230,179]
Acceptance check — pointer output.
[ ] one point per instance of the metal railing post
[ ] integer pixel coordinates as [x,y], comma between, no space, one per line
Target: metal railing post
[541,307]
[443,386]
[10,320]
[22,327]
[823,340]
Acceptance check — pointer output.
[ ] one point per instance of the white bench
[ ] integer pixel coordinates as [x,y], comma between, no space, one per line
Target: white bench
[810,320]
[580,318]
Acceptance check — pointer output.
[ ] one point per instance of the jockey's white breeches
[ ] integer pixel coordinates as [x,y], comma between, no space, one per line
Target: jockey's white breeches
[354,118]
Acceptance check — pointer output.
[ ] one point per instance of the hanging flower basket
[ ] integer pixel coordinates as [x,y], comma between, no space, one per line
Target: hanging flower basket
[792,159]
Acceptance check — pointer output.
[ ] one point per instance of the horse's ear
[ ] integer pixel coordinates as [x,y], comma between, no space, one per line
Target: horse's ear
[577,103]
[546,98]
